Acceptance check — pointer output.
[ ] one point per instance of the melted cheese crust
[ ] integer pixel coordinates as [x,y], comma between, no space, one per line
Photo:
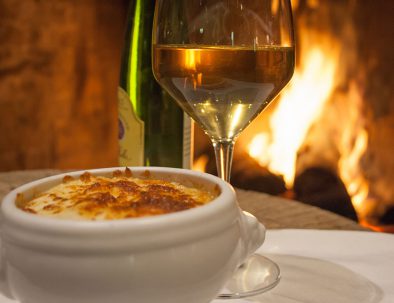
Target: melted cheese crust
[122,196]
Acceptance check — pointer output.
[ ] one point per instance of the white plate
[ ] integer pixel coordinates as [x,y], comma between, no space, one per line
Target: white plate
[327,266]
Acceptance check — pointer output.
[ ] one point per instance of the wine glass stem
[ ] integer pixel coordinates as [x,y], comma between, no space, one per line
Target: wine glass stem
[224,158]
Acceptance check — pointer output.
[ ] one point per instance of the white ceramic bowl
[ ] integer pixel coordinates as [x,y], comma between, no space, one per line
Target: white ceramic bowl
[180,257]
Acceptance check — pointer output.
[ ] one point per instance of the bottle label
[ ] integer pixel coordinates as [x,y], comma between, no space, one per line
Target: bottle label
[187,141]
[131,132]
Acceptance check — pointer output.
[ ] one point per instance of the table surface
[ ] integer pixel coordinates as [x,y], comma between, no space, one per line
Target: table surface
[274,212]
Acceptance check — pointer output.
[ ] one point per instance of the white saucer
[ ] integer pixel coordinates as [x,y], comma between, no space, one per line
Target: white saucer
[329,266]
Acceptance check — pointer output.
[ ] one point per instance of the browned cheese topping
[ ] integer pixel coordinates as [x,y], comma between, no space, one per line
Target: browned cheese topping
[121,196]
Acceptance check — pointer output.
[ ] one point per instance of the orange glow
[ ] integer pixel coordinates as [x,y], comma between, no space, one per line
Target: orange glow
[380,228]
[353,144]
[201,163]
[348,167]
[300,105]
[191,58]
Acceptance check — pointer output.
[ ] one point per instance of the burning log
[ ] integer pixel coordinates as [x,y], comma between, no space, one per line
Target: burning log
[322,188]
[388,217]
[248,174]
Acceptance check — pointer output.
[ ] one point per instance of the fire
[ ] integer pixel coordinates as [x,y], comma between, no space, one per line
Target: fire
[313,89]
[300,105]
[353,144]
[318,118]
[356,185]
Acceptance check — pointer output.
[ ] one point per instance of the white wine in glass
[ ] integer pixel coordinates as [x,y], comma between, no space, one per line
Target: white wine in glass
[224,61]
[223,88]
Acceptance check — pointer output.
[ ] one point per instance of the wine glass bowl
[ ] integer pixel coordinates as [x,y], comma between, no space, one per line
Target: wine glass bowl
[223,61]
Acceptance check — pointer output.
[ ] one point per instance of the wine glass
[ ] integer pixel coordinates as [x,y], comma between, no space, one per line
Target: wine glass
[223,61]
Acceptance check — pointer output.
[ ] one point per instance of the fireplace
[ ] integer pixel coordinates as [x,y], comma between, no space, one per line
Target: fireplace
[328,139]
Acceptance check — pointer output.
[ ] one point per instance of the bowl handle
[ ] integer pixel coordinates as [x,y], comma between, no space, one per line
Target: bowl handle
[252,234]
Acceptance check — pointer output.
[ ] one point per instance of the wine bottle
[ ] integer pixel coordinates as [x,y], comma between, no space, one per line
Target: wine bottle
[153,130]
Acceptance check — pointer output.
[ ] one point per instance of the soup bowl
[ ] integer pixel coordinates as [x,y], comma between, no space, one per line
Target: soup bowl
[184,256]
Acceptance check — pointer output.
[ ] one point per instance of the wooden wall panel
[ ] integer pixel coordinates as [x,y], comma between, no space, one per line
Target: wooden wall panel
[59,65]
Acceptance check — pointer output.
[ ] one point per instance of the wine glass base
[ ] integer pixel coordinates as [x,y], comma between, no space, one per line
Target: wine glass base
[257,275]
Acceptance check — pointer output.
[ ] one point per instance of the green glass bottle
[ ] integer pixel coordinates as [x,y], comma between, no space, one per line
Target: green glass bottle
[153,130]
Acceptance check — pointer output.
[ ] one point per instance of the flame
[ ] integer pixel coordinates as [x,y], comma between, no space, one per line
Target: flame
[348,167]
[320,83]
[201,163]
[300,105]
[352,147]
